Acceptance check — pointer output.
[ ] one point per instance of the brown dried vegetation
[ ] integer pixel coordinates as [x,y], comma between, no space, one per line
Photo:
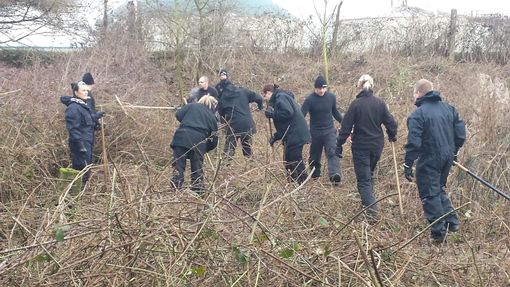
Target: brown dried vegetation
[253,228]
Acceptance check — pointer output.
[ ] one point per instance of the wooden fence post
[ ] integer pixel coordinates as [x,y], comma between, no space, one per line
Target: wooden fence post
[451,35]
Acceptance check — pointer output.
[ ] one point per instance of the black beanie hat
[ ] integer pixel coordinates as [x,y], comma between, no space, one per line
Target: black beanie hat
[320,82]
[224,72]
[88,79]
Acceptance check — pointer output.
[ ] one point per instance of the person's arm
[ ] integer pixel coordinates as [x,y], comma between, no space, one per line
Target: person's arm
[335,112]
[348,123]
[256,98]
[459,128]
[414,140]
[305,108]
[390,124]
[179,114]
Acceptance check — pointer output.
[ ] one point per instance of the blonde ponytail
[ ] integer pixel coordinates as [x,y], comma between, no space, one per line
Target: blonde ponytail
[366,82]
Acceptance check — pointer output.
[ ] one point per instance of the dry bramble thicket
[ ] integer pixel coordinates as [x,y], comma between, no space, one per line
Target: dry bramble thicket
[253,228]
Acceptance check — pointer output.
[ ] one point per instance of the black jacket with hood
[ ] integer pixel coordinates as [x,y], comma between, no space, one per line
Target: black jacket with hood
[290,124]
[197,129]
[80,121]
[435,129]
[234,107]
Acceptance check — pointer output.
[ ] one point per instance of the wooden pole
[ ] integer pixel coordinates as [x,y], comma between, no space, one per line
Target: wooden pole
[105,157]
[451,35]
[398,181]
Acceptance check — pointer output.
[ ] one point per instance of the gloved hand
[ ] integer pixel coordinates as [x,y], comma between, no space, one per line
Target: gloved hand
[100,114]
[82,148]
[269,112]
[392,139]
[408,172]
[339,151]
[455,157]
[272,140]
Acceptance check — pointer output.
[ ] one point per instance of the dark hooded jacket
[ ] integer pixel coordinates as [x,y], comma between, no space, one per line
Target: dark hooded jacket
[79,121]
[197,129]
[435,129]
[365,115]
[289,122]
[234,107]
[221,86]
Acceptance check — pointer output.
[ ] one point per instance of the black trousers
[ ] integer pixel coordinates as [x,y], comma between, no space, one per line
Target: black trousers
[365,162]
[324,140]
[196,158]
[431,177]
[293,157]
[231,143]
[79,160]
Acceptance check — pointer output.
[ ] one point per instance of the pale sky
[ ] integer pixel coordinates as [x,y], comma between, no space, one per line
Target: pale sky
[371,8]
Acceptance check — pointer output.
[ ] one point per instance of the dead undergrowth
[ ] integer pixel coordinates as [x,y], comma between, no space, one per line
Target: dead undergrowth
[253,228]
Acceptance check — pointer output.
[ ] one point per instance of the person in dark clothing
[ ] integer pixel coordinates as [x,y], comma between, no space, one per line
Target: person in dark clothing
[80,127]
[202,90]
[195,136]
[224,81]
[291,129]
[91,102]
[436,133]
[363,121]
[322,108]
[234,109]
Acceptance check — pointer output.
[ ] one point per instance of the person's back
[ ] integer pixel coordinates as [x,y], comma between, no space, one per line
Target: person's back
[435,134]
[197,122]
[365,117]
[289,122]
[234,107]
[436,120]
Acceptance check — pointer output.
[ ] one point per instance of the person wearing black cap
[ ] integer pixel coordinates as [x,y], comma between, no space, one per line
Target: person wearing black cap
[195,136]
[91,102]
[291,129]
[234,110]
[321,105]
[363,122]
[224,81]
[80,127]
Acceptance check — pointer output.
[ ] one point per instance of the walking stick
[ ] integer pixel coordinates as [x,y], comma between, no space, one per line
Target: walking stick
[398,181]
[482,180]
[105,157]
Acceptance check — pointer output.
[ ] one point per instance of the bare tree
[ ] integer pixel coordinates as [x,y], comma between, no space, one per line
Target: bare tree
[22,18]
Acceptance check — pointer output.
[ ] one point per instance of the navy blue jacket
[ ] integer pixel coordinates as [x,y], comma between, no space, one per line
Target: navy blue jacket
[197,129]
[234,107]
[79,121]
[288,120]
[364,118]
[435,129]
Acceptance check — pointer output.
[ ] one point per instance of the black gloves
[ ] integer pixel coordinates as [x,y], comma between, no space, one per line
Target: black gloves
[272,140]
[408,172]
[339,151]
[82,148]
[392,139]
[100,115]
[269,112]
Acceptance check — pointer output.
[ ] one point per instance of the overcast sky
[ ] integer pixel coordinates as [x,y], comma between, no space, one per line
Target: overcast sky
[370,8]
